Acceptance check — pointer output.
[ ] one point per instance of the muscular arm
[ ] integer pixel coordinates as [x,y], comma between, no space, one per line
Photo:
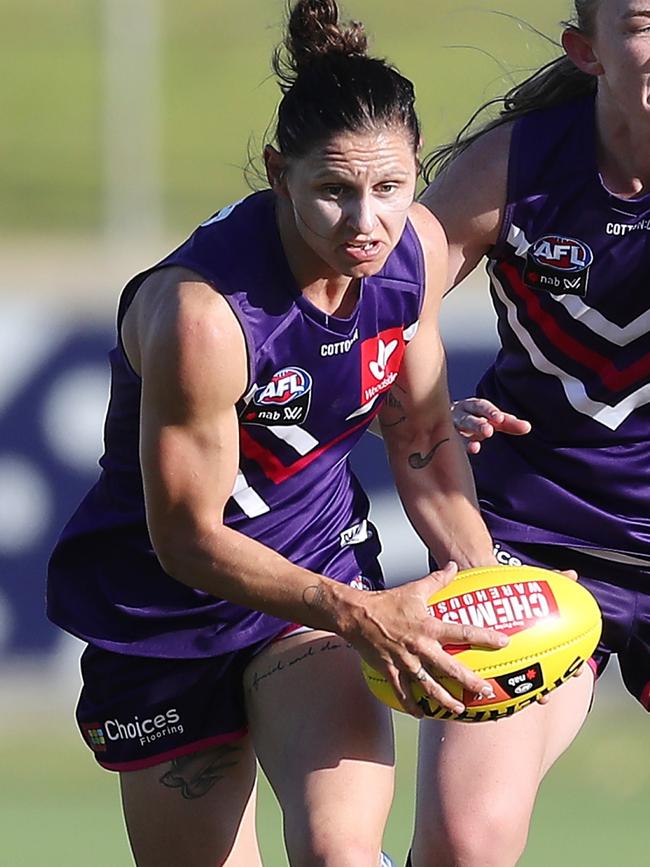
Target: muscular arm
[427,458]
[189,349]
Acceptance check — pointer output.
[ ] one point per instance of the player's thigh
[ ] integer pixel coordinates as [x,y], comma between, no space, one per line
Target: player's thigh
[323,740]
[175,729]
[476,776]
[197,810]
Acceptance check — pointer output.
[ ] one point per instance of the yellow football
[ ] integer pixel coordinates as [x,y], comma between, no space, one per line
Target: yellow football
[554,625]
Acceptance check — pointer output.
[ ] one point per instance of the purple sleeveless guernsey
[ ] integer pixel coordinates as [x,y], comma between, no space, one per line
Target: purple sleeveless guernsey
[569,281]
[315,383]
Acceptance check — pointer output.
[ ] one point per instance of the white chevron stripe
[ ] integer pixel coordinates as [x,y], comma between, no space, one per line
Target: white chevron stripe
[609,416]
[596,322]
[299,439]
[588,316]
[248,500]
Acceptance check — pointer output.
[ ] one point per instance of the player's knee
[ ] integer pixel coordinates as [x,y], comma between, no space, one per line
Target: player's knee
[491,837]
[328,848]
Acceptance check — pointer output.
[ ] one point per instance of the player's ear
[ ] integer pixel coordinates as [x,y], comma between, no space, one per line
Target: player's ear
[579,48]
[276,169]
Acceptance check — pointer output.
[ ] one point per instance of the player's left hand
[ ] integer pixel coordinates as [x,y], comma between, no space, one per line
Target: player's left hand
[477,419]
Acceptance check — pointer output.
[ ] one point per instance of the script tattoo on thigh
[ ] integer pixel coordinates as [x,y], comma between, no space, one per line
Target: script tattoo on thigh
[419,462]
[195,775]
[308,652]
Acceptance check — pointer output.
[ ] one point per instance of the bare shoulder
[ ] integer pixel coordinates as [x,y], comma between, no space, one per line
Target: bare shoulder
[176,315]
[429,230]
[469,196]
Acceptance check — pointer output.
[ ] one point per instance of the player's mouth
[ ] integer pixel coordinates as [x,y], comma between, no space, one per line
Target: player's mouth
[362,251]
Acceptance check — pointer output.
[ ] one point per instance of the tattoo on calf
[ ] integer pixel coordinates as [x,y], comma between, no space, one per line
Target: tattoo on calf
[419,462]
[196,774]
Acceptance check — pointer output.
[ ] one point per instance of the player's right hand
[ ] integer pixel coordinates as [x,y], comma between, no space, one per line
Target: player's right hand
[476,419]
[398,636]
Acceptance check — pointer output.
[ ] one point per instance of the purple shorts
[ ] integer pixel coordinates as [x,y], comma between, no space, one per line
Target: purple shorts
[135,712]
[625,607]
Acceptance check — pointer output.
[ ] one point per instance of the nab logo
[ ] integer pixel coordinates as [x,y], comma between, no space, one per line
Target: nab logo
[286,385]
[564,254]
[559,265]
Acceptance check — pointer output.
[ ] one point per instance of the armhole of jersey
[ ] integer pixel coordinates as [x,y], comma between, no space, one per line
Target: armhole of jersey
[420,265]
[512,190]
[248,340]
[129,293]
[126,299]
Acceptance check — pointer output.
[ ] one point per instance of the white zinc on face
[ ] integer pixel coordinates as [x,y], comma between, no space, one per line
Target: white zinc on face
[349,199]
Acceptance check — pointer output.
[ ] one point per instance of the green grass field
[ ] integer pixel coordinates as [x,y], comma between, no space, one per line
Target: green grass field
[57,808]
[216,92]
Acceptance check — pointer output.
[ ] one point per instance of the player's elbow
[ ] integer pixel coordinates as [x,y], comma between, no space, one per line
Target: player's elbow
[182,549]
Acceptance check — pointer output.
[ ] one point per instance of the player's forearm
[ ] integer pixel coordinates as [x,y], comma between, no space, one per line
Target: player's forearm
[231,566]
[435,484]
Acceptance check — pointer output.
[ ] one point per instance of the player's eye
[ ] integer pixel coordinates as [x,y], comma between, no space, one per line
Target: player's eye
[333,191]
[387,187]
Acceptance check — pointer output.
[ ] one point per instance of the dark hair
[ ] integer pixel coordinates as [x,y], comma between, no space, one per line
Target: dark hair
[556,82]
[331,85]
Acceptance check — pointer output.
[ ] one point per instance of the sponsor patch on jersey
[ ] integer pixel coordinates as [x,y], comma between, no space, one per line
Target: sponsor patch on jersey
[339,347]
[355,535]
[558,265]
[284,400]
[381,357]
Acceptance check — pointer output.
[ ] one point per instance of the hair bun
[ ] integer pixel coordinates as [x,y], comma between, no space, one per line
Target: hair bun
[313,31]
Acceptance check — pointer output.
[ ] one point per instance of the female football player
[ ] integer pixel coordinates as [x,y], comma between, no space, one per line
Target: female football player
[555,195]
[220,569]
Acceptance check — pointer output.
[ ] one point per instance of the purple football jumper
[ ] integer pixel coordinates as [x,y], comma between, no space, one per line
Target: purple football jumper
[314,384]
[569,281]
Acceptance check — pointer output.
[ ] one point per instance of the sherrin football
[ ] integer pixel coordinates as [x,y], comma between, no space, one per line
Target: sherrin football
[553,623]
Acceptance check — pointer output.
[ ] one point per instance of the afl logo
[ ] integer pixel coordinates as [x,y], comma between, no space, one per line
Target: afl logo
[286,385]
[562,254]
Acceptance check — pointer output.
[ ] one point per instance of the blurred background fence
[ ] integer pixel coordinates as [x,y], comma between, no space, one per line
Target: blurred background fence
[124,123]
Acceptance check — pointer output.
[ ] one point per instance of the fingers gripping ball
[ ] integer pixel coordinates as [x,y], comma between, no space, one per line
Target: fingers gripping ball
[554,625]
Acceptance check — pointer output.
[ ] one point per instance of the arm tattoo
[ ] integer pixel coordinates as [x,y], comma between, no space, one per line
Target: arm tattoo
[313,596]
[419,462]
[393,403]
[400,420]
[196,774]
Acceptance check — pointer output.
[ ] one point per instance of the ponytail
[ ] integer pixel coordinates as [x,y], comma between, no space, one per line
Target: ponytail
[557,82]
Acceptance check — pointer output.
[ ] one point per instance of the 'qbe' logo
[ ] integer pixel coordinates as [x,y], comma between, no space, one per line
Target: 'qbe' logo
[559,265]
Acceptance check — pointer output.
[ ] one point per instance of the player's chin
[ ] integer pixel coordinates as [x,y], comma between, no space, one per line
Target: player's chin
[365,269]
